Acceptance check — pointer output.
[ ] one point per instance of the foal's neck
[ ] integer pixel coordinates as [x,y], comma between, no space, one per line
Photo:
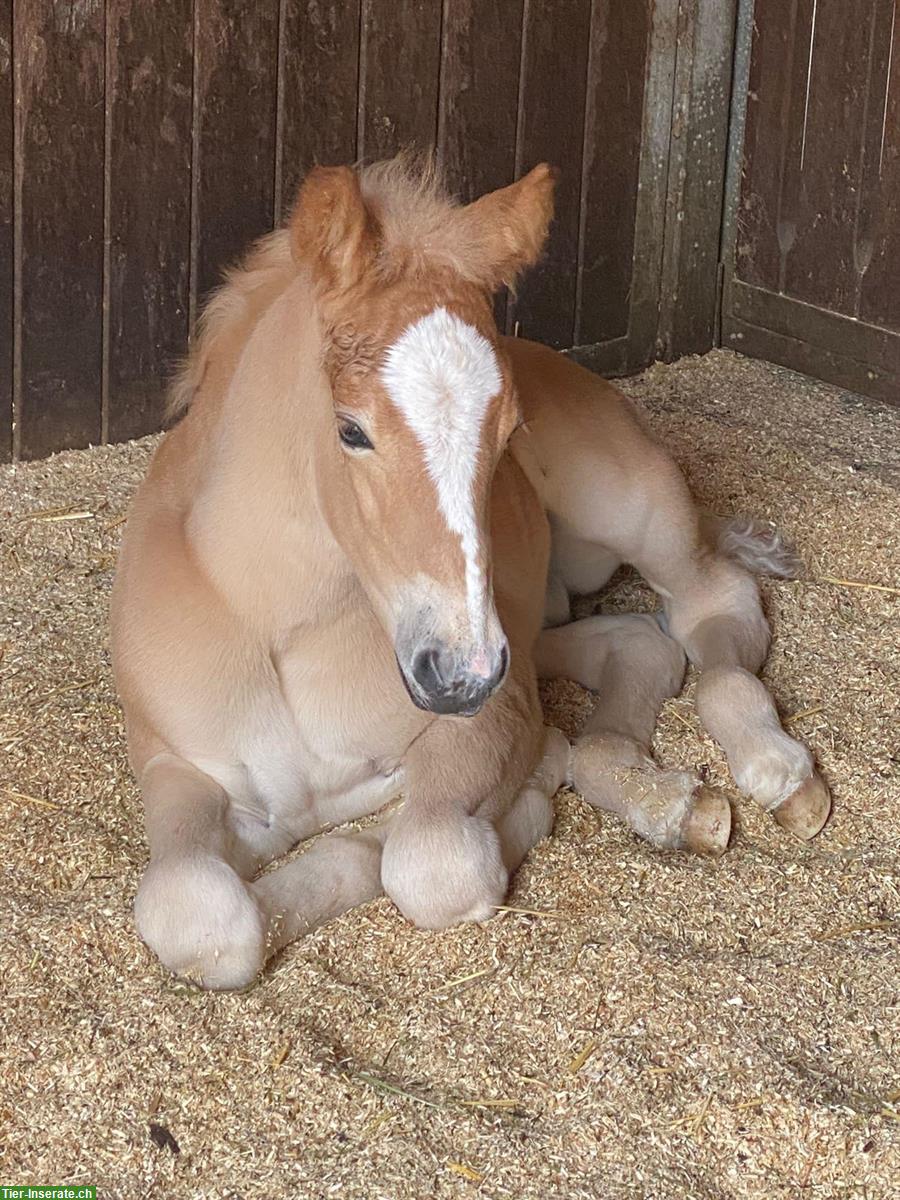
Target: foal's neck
[256,522]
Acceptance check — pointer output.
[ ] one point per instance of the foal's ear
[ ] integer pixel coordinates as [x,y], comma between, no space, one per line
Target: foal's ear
[331,229]
[504,232]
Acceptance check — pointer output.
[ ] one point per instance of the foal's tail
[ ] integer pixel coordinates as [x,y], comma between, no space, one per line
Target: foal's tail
[758,546]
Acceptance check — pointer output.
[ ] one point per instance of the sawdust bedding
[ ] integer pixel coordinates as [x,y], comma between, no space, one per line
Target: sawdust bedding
[636,1024]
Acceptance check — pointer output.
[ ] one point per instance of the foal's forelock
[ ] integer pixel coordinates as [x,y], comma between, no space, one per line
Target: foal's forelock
[441,375]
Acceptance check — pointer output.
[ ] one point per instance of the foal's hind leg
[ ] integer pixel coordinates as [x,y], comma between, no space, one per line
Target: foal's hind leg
[633,667]
[714,611]
[645,515]
[196,908]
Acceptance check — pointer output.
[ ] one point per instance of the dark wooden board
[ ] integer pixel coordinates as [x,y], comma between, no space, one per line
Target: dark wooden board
[819,327]
[6,232]
[551,128]
[696,190]
[879,300]
[822,362]
[480,59]
[148,96]
[776,101]
[479,73]
[640,346]
[823,267]
[319,76]
[235,102]
[817,212]
[619,46]
[399,66]
[59,67]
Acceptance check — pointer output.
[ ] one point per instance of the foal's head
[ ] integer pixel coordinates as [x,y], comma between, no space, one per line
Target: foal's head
[423,404]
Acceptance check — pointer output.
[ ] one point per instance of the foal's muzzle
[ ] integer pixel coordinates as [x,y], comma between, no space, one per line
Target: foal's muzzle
[439,682]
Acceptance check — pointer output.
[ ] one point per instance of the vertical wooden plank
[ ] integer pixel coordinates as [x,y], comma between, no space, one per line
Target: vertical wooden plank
[690,281]
[59,63]
[319,70]
[878,234]
[6,231]
[870,203]
[399,66]
[776,101]
[551,126]
[820,267]
[794,98]
[480,58]
[149,52]
[235,86]
[619,46]
[640,347]
[480,52]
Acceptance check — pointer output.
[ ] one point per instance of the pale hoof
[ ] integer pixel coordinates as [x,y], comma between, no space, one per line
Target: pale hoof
[806,809]
[707,827]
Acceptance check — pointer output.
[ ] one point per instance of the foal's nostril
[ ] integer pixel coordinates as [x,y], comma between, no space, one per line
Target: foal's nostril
[504,663]
[438,682]
[426,672]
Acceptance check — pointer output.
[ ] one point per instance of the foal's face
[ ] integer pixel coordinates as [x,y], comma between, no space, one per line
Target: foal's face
[423,408]
[421,423]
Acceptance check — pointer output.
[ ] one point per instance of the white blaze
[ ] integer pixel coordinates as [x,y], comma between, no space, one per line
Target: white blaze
[441,374]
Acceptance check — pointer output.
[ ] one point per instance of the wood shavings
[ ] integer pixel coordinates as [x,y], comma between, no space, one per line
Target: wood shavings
[859,927]
[858,583]
[467,1034]
[58,514]
[465,1171]
[581,1057]
[22,798]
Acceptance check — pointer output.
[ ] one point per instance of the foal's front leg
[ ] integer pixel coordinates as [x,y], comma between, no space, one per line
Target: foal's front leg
[193,907]
[196,907]
[477,799]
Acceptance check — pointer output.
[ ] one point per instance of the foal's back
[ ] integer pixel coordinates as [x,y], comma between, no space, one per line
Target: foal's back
[599,466]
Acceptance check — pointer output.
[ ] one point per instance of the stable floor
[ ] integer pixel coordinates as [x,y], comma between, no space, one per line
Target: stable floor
[638,1024]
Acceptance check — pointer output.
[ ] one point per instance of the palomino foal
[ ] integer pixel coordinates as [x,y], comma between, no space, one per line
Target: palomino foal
[333,582]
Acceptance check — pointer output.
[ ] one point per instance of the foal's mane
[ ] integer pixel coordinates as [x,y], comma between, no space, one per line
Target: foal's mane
[406,195]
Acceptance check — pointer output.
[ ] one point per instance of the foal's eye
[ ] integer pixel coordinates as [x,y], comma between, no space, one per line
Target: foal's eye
[352,435]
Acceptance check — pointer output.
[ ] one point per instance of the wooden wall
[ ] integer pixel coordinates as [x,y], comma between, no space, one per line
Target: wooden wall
[142,146]
[813,229]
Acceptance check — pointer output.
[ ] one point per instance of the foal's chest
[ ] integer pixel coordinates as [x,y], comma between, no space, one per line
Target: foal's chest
[329,735]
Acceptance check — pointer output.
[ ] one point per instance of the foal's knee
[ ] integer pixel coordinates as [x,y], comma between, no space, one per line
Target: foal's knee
[720,621]
[660,659]
[199,918]
[443,872]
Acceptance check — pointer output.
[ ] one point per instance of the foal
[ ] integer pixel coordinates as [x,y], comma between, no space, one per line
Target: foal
[333,582]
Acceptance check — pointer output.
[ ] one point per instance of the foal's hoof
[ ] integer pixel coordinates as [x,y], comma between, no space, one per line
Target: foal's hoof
[806,809]
[707,827]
